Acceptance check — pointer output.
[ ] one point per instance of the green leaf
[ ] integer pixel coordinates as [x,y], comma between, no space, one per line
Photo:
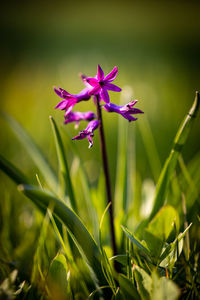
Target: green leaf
[34,152]
[121,258]
[144,283]
[127,287]
[66,184]
[170,164]
[135,241]
[57,276]
[155,288]
[78,231]
[164,222]
[16,175]
[163,289]
[172,246]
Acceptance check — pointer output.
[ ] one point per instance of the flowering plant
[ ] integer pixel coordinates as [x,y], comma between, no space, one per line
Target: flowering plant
[142,264]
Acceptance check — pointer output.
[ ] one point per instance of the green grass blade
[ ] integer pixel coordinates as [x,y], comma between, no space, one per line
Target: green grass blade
[150,146]
[135,241]
[121,172]
[66,184]
[16,175]
[170,164]
[73,223]
[34,152]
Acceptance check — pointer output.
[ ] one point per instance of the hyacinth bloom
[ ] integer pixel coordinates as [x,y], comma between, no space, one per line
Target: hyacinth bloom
[70,100]
[88,132]
[100,84]
[126,110]
[77,116]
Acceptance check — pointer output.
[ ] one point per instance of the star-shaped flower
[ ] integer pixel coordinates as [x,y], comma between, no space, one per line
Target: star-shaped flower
[101,84]
[70,100]
[126,110]
[88,132]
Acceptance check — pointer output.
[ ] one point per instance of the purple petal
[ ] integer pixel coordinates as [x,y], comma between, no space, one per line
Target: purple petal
[95,90]
[92,126]
[104,95]
[129,117]
[90,140]
[100,73]
[111,107]
[88,132]
[131,103]
[62,105]
[92,81]
[125,111]
[112,87]
[112,75]
[77,116]
[61,93]
[69,109]
[136,111]
[83,95]
[64,93]
[79,137]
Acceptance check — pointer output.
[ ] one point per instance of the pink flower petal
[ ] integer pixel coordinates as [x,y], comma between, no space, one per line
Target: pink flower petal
[62,105]
[95,90]
[112,87]
[89,137]
[104,95]
[112,75]
[91,81]
[100,73]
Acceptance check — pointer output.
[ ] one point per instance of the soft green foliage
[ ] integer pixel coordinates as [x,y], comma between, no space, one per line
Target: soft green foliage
[159,259]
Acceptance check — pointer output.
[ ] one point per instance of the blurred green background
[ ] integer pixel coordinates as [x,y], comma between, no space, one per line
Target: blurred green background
[155,44]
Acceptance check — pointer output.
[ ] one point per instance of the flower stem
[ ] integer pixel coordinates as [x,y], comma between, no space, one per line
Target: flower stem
[107,175]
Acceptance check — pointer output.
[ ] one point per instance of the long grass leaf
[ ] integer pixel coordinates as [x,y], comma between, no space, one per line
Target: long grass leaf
[73,223]
[170,164]
[34,152]
[16,175]
[150,146]
[135,241]
[66,184]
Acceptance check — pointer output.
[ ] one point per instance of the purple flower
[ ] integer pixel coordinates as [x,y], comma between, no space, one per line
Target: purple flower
[77,116]
[88,132]
[101,84]
[70,100]
[126,110]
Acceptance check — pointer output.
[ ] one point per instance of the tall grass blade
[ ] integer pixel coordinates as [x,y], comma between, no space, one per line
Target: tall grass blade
[65,180]
[150,146]
[78,231]
[170,164]
[19,178]
[34,152]
[16,175]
